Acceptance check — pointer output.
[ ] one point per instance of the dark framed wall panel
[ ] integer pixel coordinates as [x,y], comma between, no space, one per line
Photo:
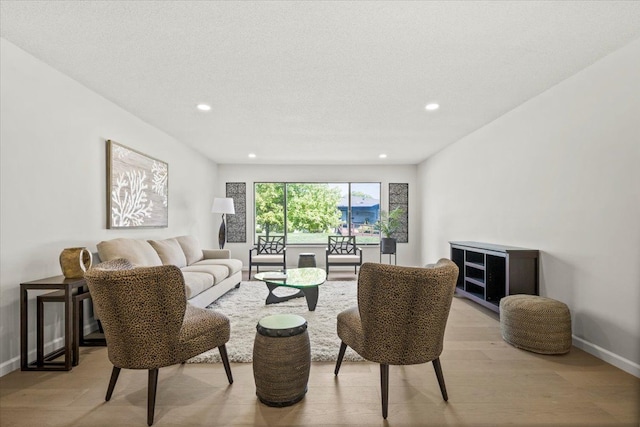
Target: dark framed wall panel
[399,198]
[237,223]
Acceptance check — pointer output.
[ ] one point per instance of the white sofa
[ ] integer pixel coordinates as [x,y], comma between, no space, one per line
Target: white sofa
[208,274]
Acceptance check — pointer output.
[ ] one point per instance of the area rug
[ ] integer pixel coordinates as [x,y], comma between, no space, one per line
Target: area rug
[244,306]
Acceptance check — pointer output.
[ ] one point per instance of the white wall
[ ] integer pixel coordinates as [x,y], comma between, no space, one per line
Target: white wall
[54,179]
[561,174]
[407,252]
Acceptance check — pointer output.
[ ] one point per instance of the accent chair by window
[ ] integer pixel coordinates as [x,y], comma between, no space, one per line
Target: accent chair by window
[268,252]
[342,251]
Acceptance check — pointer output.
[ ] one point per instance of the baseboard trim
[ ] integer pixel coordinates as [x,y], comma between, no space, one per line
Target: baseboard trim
[14,363]
[609,357]
[9,366]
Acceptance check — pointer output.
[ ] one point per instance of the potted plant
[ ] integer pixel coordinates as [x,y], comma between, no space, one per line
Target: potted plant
[388,224]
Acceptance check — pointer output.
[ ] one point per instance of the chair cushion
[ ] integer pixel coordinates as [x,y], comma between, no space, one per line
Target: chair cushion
[234,265]
[346,259]
[139,252]
[272,259]
[350,329]
[191,248]
[195,283]
[219,272]
[170,252]
[202,330]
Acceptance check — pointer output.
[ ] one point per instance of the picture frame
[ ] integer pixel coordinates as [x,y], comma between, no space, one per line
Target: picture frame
[137,189]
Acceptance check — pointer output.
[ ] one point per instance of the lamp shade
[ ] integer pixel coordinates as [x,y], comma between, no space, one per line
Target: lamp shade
[223,205]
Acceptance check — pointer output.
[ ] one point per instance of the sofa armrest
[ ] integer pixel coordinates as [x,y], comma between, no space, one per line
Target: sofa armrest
[216,253]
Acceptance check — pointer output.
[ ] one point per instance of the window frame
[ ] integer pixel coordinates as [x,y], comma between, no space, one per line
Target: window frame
[285,209]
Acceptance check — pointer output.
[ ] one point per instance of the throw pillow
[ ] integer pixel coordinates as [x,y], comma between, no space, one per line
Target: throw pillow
[170,252]
[191,248]
[139,252]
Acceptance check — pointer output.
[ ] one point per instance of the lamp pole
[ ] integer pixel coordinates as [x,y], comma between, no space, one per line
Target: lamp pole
[222,233]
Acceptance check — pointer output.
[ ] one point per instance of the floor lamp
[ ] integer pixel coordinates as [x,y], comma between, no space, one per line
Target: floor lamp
[223,205]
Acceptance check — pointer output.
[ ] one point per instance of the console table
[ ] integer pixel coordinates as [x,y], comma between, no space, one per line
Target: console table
[67,288]
[490,272]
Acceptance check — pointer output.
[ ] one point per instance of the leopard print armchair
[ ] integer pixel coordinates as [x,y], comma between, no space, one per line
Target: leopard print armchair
[147,322]
[400,318]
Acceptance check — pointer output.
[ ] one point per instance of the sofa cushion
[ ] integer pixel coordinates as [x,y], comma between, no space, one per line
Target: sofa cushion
[170,252]
[219,272]
[139,252]
[234,265]
[191,248]
[196,283]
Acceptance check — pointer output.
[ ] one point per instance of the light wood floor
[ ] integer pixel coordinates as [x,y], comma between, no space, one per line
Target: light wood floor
[489,382]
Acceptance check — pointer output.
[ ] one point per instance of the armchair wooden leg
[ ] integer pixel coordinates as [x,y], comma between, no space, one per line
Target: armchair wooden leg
[151,398]
[225,362]
[112,382]
[343,348]
[438,368]
[384,385]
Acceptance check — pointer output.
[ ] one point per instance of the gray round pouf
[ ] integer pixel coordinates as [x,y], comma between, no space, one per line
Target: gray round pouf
[306,260]
[537,324]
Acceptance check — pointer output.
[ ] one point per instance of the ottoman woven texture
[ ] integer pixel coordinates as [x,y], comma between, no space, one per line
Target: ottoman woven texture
[281,359]
[306,260]
[537,324]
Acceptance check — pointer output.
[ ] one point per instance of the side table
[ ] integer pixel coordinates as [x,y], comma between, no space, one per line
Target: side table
[306,260]
[67,286]
[281,359]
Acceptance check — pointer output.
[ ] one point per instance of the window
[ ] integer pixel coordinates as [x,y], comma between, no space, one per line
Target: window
[307,213]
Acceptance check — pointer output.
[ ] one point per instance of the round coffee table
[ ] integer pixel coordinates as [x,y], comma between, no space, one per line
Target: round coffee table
[306,280]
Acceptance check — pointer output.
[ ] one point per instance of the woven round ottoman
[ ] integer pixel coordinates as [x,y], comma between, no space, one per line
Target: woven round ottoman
[281,359]
[306,260]
[537,324]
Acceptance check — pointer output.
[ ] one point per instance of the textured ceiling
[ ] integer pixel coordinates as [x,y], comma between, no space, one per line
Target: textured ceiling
[319,82]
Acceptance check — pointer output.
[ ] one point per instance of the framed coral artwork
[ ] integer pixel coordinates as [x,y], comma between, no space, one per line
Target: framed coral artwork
[137,189]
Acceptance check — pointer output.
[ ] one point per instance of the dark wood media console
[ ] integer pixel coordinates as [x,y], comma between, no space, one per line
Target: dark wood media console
[490,272]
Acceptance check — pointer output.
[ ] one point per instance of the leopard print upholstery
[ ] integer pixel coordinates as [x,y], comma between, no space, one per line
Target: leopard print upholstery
[145,316]
[401,314]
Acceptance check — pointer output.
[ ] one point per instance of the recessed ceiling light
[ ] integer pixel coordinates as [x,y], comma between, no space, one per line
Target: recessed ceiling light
[383,156]
[252,156]
[203,107]
[432,107]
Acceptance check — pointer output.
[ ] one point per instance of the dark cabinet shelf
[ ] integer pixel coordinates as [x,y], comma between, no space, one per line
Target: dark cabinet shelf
[474,265]
[475,281]
[490,272]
